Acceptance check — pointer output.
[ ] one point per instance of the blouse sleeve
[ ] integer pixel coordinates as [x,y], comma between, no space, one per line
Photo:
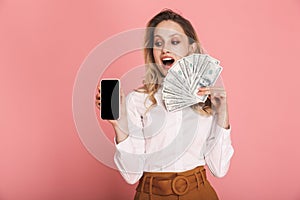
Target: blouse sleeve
[218,150]
[129,155]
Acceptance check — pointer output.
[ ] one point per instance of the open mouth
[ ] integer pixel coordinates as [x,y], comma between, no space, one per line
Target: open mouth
[168,61]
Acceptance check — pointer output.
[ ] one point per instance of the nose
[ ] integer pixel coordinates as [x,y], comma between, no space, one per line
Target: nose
[165,49]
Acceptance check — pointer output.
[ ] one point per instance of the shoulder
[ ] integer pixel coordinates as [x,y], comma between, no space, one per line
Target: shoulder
[136,96]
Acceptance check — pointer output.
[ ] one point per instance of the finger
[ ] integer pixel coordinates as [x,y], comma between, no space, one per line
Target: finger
[204,92]
[218,97]
[212,89]
[122,95]
[219,94]
[217,90]
[98,96]
[203,89]
[97,104]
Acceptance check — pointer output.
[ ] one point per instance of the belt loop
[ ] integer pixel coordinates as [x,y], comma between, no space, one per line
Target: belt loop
[198,182]
[150,187]
[203,177]
[143,183]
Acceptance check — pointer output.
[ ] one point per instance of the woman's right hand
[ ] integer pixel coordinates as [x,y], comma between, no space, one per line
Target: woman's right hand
[120,125]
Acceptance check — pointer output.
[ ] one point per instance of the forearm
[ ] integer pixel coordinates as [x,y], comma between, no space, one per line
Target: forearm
[219,154]
[223,118]
[129,165]
[129,155]
[120,133]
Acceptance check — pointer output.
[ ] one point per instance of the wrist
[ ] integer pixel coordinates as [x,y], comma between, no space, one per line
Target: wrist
[121,135]
[121,138]
[223,121]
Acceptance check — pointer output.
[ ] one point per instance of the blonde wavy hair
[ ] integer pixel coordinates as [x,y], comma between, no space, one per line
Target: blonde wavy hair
[153,76]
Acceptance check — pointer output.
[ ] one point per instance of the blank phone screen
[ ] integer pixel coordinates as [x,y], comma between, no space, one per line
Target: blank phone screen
[110,92]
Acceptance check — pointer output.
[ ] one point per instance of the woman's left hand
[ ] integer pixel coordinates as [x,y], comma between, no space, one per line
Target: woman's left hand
[217,96]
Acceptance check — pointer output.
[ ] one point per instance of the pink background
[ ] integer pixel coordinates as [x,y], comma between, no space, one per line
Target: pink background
[43,43]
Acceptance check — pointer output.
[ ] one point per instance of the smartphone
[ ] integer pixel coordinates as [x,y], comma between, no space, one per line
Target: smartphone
[110,99]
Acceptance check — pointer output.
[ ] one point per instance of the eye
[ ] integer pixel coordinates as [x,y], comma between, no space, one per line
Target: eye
[175,42]
[158,43]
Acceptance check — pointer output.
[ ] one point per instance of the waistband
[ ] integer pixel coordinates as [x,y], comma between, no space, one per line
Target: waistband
[168,183]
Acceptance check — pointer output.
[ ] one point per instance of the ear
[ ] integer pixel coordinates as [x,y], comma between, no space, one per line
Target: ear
[192,48]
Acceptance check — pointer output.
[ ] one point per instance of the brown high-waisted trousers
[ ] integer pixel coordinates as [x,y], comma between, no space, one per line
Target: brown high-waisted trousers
[188,185]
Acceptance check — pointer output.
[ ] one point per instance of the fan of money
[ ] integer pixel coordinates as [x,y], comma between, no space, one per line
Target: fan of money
[185,77]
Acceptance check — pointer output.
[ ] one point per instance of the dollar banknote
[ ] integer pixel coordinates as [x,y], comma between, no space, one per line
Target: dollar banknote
[185,77]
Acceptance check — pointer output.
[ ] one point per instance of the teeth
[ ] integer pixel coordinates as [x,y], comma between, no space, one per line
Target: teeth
[167,59]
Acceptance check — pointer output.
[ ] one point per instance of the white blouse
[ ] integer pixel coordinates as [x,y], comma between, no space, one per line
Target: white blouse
[162,141]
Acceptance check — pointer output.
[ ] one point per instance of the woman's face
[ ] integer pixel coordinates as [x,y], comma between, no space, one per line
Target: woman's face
[170,44]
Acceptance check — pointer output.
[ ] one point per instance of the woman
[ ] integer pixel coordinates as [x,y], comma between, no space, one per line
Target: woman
[167,151]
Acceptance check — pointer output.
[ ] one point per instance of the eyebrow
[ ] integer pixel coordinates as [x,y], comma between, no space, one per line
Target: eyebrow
[180,35]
